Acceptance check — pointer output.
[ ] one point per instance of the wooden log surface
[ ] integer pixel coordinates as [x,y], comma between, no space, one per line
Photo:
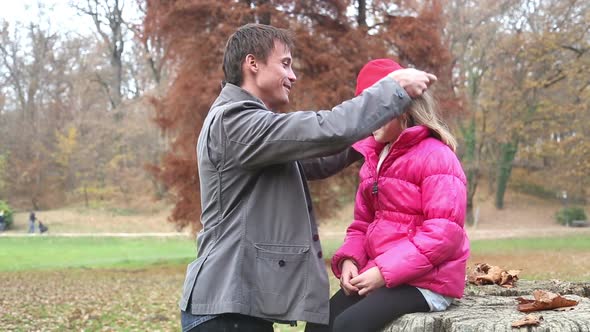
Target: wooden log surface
[493,308]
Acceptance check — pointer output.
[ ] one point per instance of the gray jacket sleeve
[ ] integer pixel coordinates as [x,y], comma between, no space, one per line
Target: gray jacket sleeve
[258,137]
[324,167]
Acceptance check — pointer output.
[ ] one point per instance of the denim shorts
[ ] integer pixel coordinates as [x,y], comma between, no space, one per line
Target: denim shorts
[189,321]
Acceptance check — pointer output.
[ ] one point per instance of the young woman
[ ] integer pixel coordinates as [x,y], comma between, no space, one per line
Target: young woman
[406,249]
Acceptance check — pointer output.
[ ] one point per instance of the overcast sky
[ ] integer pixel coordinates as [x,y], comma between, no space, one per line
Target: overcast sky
[58,13]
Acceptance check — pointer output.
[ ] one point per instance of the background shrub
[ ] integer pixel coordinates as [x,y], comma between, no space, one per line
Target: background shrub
[568,214]
[7,213]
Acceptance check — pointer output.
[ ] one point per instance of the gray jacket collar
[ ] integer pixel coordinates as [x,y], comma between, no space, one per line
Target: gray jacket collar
[231,93]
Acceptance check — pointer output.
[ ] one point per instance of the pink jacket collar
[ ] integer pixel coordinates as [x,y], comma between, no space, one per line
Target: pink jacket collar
[370,148]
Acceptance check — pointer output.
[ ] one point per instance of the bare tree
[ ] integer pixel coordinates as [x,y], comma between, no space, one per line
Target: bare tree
[29,64]
[107,16]
[150,50]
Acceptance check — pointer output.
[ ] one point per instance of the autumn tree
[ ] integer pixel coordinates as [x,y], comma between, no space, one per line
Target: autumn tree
[508,68]
[334,40]
[471,36]
[29,82]
[60,141]
[540,94]
[136,70]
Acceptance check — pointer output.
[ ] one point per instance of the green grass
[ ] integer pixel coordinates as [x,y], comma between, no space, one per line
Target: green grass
[47,253]
[574,243]
[40,252]
[44,252]
[501,246]
[151,285]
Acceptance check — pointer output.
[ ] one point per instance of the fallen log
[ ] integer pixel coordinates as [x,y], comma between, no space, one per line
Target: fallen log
[494,308]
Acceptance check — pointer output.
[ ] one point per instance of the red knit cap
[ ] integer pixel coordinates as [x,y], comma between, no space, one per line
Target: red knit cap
[373,71]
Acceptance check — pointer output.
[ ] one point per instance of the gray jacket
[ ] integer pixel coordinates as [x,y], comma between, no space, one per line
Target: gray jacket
[259,252]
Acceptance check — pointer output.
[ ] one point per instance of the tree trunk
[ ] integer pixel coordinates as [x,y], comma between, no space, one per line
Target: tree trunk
[86,196]
[507,154]
[361,18]
[470,165]
[117,90]
[264,16]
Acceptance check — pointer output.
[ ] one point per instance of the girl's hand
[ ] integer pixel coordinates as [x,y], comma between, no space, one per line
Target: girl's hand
[368,281]
[349,271]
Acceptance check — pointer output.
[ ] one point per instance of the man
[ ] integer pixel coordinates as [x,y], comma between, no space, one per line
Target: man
[32,219]
[259,256]
[2,222]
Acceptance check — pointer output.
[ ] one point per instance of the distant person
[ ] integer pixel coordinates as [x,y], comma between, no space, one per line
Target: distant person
[32,219]
[42,227]
[2,221]
[259,255]
[406,249]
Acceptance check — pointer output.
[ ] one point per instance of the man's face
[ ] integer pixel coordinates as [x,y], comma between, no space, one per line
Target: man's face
[275,78]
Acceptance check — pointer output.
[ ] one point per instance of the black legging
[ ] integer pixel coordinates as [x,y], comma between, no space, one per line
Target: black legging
[370,313]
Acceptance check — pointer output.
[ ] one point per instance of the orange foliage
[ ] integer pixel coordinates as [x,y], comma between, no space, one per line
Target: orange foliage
[330,50]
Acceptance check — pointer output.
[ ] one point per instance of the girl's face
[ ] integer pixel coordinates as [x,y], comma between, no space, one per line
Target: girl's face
[389,132]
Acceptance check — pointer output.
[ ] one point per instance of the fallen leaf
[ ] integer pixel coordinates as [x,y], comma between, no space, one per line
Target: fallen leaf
[528,320]
[566,308]
[544,300]
[522,300]
[484,274]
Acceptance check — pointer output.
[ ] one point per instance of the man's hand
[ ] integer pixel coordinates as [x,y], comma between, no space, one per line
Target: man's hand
[368,281]
[349,271]
[414,81]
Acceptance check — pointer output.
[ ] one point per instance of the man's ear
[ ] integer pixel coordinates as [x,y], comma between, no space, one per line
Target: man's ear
[251,63]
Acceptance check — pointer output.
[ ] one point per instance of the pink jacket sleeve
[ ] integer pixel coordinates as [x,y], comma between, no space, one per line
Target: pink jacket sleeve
[441,235]
[354,242]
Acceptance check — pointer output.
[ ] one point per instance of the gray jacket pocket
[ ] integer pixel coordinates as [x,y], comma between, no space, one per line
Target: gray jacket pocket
[281,274]
[192,271]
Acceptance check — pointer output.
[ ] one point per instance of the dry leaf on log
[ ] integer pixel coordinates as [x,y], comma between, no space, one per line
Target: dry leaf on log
[528,320]
[484,274]
[565,308]
[544,300]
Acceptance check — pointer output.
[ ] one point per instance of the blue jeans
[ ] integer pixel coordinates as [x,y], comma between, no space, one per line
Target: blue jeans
[224,323]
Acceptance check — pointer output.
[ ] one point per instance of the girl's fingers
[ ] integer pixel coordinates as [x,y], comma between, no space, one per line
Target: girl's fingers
[364,291]
[348,286]
[345,291]
[367,290]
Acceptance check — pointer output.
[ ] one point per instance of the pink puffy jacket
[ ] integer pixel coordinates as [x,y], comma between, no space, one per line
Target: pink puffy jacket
[408,219]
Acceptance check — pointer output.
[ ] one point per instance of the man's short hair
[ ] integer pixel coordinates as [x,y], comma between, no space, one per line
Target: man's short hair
[255,39]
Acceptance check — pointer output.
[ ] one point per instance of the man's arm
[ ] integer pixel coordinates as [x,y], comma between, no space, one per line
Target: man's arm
[323,167]
[257,137]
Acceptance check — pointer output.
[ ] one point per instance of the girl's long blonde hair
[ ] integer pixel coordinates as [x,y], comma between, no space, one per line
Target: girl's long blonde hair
[423,111]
